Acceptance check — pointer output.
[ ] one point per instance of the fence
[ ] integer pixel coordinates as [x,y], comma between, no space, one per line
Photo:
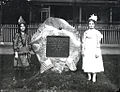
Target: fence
[111,33]
[8,32]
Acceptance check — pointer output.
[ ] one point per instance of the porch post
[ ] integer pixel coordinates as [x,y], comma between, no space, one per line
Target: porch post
[74,12]
[49,11]
[30,11]
[0,41]
[0,13]
[1,7]
[30,14]
[80,15]
[111,14]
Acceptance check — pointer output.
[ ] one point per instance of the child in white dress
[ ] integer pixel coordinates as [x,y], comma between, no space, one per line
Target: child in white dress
[92,57]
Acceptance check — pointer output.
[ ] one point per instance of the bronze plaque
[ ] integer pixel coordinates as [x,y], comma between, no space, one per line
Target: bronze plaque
[57,46]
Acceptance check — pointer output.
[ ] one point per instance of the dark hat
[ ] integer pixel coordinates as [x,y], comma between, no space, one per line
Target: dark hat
[21,20]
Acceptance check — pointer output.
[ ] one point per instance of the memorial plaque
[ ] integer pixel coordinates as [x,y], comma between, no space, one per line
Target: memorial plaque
[57,46]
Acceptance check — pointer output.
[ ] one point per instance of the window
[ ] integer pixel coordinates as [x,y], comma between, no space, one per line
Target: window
[116,14]
[44,14]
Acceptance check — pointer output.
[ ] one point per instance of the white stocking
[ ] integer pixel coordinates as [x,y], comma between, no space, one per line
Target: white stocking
[94,77]
[89,76]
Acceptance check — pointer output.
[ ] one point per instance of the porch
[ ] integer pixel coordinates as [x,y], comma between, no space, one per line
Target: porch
[110,43]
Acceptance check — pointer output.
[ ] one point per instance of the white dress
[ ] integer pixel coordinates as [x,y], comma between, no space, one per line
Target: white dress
[92,57]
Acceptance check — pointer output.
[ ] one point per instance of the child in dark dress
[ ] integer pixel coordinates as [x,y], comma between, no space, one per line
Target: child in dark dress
[21,50]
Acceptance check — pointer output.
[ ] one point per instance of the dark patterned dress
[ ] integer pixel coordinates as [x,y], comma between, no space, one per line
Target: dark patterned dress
[21,45]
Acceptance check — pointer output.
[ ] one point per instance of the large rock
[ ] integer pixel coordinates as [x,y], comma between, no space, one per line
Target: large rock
[56,27]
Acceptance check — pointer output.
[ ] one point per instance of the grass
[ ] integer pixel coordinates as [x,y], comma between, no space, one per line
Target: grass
[66,81]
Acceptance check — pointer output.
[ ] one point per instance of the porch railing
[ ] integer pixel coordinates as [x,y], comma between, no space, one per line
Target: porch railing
[8,32]
[111,33]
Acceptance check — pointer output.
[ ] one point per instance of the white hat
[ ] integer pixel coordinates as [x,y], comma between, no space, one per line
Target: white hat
[93,17]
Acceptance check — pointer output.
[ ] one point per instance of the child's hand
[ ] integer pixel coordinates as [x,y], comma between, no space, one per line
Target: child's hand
[16,55]
[96,55]
[82,53]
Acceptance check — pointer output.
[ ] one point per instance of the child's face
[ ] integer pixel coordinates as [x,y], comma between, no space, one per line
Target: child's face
[91,24]
[22,27]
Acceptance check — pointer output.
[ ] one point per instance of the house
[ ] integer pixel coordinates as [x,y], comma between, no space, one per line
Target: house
[76,12]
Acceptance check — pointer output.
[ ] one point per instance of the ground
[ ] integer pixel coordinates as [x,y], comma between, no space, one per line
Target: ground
[108,81]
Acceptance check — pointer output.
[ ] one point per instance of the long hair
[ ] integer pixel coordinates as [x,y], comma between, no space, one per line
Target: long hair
[26,28]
